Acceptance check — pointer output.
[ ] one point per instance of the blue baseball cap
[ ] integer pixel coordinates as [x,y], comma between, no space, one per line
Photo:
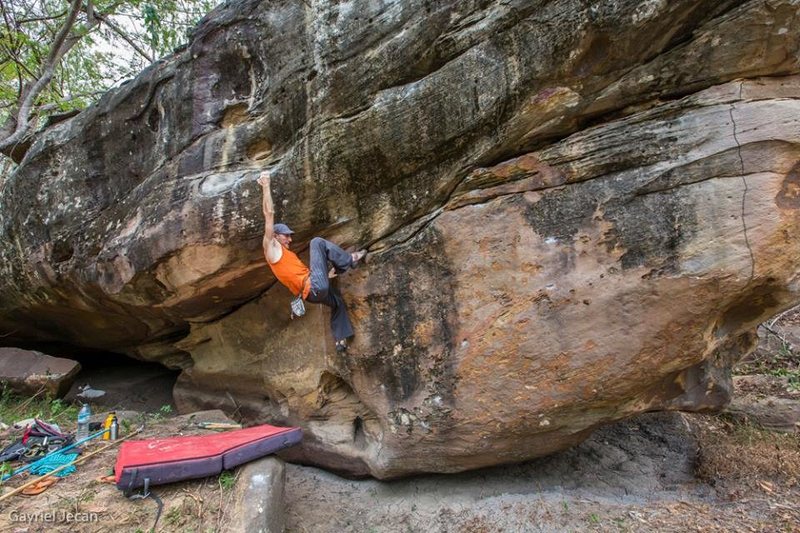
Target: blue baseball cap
[282,229]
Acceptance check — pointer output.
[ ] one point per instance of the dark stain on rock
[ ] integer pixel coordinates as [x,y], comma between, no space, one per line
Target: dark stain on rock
[411,323]
[651,228]
[233,80]
[95,168]
[562,212]
[363,184]
[62,251]
[359,439]
[751,308]
[595,55]
[789,195]
[153,119]
[192,160]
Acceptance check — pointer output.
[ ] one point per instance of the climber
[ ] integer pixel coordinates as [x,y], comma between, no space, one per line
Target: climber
[311,284]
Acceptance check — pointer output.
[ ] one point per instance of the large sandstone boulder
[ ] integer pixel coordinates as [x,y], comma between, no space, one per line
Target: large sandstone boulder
[29,372]
[576,212]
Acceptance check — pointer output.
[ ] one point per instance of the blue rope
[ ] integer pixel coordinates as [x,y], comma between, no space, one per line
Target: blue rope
[62,450]
[53,461]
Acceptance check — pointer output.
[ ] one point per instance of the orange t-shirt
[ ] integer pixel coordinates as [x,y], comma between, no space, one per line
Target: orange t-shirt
[292,272]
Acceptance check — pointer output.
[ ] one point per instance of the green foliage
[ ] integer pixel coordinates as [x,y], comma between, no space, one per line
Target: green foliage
[173,516]
[163,412]
[14,407]
[792,377]
[62,410]
[780,362]
[151,23]
[103,54]
[227,480]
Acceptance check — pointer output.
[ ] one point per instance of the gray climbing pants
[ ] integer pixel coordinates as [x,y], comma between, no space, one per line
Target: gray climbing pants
[322,292]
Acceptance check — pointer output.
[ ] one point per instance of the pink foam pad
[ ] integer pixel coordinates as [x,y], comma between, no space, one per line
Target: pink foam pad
[176,458]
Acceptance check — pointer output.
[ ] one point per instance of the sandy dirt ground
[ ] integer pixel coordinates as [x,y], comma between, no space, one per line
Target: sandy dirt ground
[655,472]
[638,475]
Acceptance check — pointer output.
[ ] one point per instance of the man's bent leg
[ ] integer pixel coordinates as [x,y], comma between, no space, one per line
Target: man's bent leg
[318,265]
[323,251]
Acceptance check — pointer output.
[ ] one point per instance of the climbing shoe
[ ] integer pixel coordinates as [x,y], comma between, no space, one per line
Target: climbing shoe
[358,258]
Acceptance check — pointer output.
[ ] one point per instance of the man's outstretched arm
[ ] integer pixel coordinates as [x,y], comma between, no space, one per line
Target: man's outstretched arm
[269,212]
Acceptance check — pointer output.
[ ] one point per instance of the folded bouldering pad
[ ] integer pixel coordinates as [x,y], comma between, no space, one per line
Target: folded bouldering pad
[177,458]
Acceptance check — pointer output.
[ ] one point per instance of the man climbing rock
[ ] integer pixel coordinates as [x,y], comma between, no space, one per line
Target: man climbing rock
[311,283]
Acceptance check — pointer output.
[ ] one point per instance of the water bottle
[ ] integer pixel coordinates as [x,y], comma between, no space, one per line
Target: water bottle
[107,425]
[83,422]
[113,432]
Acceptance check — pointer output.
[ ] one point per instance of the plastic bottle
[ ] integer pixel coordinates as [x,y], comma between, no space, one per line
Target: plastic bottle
[107,425]
[83,422]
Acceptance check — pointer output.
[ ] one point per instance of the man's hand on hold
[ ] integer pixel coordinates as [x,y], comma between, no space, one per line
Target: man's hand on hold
[264,179]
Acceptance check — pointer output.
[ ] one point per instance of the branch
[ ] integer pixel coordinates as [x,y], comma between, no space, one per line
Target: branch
[41,19]
[124,36]
[14,57]
[89,9]
[10,27]
[769,329]
[776,319]
[47,108]
[111,9]
[5,12]
[93,18]
[72,97]
[60,46]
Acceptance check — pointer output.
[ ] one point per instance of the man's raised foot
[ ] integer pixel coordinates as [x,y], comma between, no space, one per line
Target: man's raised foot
[357,258]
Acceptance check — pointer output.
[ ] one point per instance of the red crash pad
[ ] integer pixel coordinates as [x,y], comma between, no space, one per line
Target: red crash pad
[176,458]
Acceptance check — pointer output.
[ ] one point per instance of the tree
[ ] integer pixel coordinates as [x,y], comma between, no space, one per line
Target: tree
[58,56]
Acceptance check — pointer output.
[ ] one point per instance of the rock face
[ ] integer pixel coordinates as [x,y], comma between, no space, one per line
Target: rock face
[576,212]
[29,372]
